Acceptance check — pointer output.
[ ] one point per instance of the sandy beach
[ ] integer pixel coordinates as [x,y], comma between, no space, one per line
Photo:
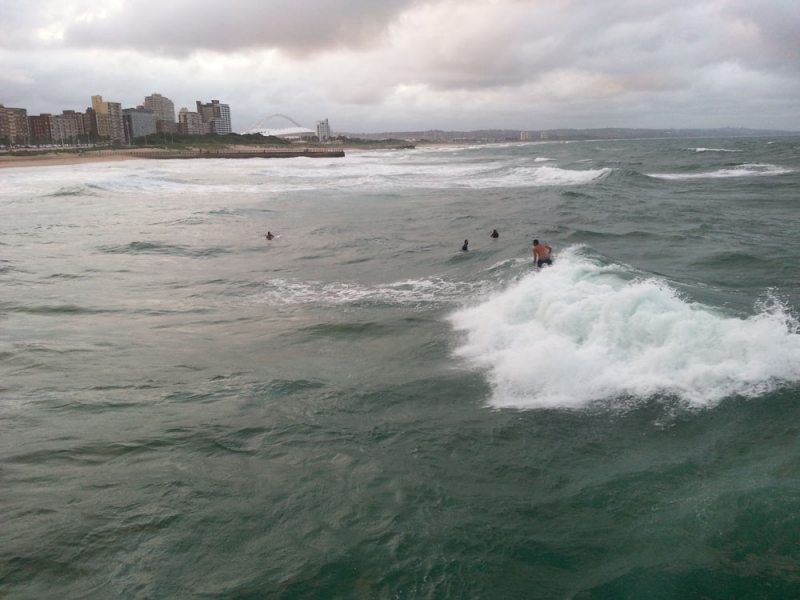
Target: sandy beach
[69,158]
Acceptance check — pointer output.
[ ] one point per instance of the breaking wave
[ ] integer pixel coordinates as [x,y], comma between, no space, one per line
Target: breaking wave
[578,332]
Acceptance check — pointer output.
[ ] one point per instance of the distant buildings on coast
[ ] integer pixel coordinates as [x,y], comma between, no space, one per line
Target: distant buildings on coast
[108,122]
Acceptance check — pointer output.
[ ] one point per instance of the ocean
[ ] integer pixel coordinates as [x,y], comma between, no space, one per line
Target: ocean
[359,409]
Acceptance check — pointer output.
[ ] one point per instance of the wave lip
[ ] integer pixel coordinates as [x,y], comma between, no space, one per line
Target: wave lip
[578,333]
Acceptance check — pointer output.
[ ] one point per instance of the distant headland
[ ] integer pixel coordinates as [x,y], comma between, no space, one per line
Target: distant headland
[545,135]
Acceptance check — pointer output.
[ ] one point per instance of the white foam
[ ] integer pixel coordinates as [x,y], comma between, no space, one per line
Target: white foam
[745,170]
[541,176]
[365,171]
[579,332]
[283,292]
[712,150]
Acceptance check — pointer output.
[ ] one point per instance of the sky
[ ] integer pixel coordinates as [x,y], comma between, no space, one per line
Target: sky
[371,66]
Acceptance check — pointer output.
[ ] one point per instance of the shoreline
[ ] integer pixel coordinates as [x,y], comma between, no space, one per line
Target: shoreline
[59,159]
[56,158]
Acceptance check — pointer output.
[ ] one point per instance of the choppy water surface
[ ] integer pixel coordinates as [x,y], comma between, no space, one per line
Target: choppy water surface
[357,409]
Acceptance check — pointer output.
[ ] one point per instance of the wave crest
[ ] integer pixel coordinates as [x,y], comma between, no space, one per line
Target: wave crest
[744,170]
[577,333]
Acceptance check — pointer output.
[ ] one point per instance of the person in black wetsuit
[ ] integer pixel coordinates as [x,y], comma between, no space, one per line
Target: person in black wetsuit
[465,247]
[495,234]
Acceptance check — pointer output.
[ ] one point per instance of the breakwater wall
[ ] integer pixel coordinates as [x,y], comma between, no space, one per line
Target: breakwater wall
[314,153]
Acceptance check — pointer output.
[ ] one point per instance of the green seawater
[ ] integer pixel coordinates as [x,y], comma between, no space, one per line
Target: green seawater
[358,409]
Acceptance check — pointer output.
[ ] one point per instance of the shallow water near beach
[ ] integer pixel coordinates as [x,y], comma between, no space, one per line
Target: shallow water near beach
[358,409]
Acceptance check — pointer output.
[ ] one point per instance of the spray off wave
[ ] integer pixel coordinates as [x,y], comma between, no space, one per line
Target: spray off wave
[578,332]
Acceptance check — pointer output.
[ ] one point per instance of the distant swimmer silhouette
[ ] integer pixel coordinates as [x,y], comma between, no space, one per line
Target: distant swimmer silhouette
[269,235]
[465,247]
[495,234]
[541,254]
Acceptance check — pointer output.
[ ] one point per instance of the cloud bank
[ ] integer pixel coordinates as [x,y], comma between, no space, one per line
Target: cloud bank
[414,64]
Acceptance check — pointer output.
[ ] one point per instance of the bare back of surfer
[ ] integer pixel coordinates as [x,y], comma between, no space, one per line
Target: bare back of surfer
[269,236]
[541,254]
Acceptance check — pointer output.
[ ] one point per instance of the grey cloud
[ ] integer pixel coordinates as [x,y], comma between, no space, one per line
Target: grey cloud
[299,28]
[17,24]
[681,62]
[652,46]
[777,27]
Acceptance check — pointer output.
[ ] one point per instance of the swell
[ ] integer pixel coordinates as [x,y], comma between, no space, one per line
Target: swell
[157,248]
[585,236]
[731,259]
[74,190]
[54,309]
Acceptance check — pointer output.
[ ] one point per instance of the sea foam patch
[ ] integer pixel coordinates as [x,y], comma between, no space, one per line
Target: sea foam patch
[745,170]
[421,292]
[579,332]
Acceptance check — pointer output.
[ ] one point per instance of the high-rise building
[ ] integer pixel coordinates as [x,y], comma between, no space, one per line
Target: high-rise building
[68,127]
[99,125]
[216,116]
[61,129]
[13,126]
[107,122]
[323,130]
[164,110]
[139,122]
[190,122]
[40,128]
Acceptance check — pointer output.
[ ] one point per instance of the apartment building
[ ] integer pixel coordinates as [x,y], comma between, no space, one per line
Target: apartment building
[164,110]
[40,129]
[216,116]
[139,122]
[68,128]
[106,120]
[323,130]
[190,122]
[13,126]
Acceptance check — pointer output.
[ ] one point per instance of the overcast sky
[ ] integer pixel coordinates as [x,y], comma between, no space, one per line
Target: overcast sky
[402,65]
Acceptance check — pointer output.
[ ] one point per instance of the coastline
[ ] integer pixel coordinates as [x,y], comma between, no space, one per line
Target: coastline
[58,158]
[63,158]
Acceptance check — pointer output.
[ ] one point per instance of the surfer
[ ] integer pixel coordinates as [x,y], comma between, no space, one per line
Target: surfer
[465,247]
[541,254]
[269,235]
[495,234]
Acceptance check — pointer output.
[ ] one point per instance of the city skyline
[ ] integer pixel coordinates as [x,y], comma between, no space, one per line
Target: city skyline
[107,121]
[410,64]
